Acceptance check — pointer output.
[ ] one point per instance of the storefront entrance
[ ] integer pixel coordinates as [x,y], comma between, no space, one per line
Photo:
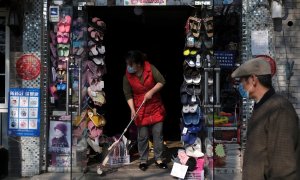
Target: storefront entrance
[157,31]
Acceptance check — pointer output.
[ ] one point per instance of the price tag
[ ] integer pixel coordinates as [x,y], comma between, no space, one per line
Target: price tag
[184,131]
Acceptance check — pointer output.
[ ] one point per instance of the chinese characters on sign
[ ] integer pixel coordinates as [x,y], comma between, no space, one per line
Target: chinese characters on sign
[144,2]
[24,112]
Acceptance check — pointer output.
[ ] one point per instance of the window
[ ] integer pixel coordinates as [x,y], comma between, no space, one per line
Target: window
[4,61]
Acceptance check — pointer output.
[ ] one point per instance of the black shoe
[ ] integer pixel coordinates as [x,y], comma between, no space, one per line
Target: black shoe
[143,166]
[161,165]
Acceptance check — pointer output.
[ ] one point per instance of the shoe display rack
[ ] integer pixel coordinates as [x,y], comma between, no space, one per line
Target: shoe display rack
[59,145]
[199,93]
[77,96]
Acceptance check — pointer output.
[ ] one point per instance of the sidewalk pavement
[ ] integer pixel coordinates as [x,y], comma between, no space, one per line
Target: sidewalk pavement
[127,172]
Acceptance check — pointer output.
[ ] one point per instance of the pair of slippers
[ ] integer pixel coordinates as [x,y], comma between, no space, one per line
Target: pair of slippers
[96,53]
[62,86]
[63,38]
[194,61]
[64,25]
[63,50]
[190,89]
[200,42]
[194,25]
[192,118]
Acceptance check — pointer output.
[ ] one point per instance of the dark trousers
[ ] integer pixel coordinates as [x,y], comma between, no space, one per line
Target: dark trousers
[143,137]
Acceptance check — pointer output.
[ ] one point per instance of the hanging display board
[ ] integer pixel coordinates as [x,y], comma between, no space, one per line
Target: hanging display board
[24,112]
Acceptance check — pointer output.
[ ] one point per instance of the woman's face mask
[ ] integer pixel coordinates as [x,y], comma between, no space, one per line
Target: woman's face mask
[131,70]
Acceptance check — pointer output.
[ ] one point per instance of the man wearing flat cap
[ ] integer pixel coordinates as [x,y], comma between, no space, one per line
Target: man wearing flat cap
[272,147]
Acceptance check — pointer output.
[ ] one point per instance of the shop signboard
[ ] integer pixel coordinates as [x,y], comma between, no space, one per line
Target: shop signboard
[24,112]
[145,2]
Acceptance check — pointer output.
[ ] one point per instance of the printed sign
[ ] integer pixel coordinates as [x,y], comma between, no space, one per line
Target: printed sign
[145,2]
[259,42]
[60,137]
[24,112]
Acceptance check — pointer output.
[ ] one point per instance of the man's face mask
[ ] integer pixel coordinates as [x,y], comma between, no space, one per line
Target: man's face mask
[130,69]
[243,92]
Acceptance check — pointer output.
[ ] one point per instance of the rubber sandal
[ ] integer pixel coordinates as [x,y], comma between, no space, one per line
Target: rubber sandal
[59,37]
[68,20]
[208,24]
[66,50]
[62,65]
[53,50]
[94,51]
[54,74]
[61,86]
[190,62]
[192,108]
[184,99]
[80,51]
[98,23]
[185,108]
[196,80]
[53,90]
[190,41]
[208,42]
[188,80]
[65,38]
[75,85]
[198,63]
[101,50]
[53,37]
[60,50]
[53,61]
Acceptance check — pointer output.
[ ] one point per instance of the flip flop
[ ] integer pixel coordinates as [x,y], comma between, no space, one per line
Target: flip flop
[62,65]
[60,50]
[190,41]
[53,37]
[66,50]
[61,86]
[94,51]
[53,91]
[198,61]
[80,51]
[53,50]
[209,26]
[99,60]
[98,23]
[65,38]
[101,50]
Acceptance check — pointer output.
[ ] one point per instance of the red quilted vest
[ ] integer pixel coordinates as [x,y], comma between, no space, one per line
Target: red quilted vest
[153,110]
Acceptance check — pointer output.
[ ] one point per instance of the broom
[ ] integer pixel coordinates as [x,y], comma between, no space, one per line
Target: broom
[112,147]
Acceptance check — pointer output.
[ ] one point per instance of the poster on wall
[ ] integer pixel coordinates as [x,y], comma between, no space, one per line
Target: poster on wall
[59,137]
[259,42]
[24,112]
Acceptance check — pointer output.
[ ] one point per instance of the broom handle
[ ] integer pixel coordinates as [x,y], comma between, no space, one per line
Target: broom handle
[114,144]
[132,119]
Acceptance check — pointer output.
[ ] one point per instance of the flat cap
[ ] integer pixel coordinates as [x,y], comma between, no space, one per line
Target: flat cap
[256,66]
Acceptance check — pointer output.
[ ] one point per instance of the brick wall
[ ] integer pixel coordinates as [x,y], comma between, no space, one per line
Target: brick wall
[292,51]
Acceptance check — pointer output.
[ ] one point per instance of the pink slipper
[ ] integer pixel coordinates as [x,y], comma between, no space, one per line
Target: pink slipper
[59,37]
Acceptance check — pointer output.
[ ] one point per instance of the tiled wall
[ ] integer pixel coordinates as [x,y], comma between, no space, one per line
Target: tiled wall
[292,41]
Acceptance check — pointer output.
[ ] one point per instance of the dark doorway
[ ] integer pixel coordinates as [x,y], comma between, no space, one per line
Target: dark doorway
[159,32]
